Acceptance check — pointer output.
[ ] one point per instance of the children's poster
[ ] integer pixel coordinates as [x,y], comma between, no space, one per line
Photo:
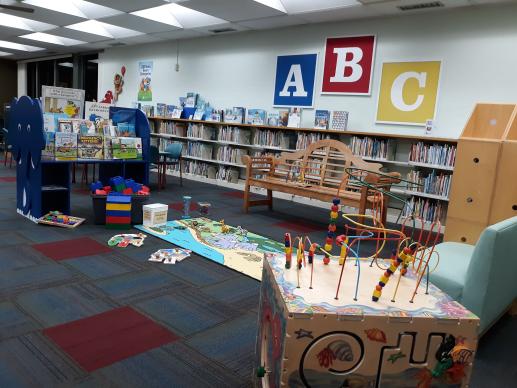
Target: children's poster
[145,70]
[63,100]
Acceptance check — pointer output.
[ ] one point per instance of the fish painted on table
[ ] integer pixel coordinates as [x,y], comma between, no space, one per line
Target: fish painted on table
[376,335]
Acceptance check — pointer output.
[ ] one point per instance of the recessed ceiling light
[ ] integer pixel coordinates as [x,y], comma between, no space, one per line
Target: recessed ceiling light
[66,64]
[301,6]
[3,54]
[23,24]
[276,4]
[80,8]
[179,16]
[48,38]
[18,46]
[104,29]
[162,14]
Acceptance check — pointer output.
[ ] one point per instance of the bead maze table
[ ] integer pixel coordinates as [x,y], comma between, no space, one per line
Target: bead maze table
[309,338]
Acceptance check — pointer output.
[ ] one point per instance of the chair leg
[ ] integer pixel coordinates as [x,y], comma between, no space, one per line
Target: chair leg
[270,199]
[246,197]
[73,172]
[181,172]
[10,159]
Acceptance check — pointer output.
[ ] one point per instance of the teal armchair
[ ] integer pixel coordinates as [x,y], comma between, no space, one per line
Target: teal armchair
[483,278]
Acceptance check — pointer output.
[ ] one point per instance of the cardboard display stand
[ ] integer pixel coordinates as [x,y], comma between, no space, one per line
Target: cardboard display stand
[308,338]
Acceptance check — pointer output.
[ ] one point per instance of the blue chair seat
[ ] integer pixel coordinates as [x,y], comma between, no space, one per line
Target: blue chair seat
[451,273]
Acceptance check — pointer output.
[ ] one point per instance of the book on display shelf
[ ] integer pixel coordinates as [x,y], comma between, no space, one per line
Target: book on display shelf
[90,147]
[256,117]
[161,109]
[295,117]
[83,127]
[273,119]
[199,114]
[190,100]
[321,119]
[283,118]
[66,146]
[125,130]
[339,120]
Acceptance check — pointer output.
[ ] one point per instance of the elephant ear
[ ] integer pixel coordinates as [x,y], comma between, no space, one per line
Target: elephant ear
[36,136]
[13,134]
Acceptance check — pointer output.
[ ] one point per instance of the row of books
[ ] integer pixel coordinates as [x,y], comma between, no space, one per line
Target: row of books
[234,135]
[304,139]
[102,127]
[270,138]
[170,128]
[230,154]
[427,209]
[227,174]
[201,131]
[438,154]
[191,167]
[431,183]
[72,146]
[370,147]
[199,150]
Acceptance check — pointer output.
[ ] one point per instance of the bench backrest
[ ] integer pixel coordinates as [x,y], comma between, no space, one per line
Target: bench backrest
[323,163]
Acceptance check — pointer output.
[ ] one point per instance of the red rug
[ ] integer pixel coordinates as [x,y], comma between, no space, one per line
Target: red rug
[8,179]
[234,194]
[68,249]
[106,338]
[300,227]
[179,206]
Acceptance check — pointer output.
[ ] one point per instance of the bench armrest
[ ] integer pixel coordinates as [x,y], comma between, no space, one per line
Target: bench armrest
[258,165]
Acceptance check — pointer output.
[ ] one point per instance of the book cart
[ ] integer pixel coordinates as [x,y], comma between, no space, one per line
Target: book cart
[45,185]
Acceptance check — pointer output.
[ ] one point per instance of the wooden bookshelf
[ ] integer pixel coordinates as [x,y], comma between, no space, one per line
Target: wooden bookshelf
[395,158]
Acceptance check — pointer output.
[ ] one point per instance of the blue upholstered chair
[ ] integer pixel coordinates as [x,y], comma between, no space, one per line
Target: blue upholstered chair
[171,155]
[483,277]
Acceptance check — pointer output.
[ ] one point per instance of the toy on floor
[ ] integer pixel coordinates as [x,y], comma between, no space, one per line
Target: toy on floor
[186,206]
[118,211]
[170,256]
[119,185]
[56,218]
[123,240]
[204,208]
[224,228]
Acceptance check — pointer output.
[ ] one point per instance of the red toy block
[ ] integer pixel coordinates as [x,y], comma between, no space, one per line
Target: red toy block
[107,189]
[118,220]
[100,192]
[145,189]
[127,191]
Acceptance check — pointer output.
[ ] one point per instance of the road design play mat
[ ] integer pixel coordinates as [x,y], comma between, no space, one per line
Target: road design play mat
[231,246]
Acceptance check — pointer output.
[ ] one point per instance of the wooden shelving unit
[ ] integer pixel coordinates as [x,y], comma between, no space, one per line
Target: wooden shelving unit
[395,158]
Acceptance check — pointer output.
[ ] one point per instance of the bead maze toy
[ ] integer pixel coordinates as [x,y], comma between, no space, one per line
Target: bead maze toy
[359,318]
[56,218]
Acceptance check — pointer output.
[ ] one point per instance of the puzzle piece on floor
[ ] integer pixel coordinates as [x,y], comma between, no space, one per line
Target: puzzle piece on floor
[123,240]
[170,256]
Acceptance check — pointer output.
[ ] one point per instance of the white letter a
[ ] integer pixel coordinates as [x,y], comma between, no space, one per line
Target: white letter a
[294,79]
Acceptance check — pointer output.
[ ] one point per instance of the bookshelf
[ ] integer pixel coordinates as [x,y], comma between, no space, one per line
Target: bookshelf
[212,152]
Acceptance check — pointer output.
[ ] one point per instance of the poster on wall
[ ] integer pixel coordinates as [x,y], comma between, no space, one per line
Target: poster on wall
[294,82]
[348,65]
[63,101]
[145,70]
[408,92]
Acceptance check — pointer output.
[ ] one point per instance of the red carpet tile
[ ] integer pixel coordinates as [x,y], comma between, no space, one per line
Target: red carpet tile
[8,179]
[68,249]
[106,338]
[179,206]
[301,227]
[235,194]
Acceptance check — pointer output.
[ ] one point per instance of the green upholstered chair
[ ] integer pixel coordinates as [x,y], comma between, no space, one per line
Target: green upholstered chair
[483,277]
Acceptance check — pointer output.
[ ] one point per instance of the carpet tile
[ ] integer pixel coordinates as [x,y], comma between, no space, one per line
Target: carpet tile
[103,339]
[299,226]
[100,266]
[241,292]
[67,249]
[13,322]
[13,257]
[9,179]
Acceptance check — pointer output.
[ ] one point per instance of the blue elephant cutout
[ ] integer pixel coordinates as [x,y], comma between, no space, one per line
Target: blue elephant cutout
[27,139]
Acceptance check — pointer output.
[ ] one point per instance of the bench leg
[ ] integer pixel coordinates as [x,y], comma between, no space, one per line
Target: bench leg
[246,197]
[270,199]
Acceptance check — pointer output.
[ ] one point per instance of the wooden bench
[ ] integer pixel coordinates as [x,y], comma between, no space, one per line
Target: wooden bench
[318,172]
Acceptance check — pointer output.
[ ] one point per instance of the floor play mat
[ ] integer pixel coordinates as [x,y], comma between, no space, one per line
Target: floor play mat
[231,246]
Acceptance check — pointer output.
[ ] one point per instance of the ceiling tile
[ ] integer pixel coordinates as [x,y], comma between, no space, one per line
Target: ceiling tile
[137,23]
[391,8]
[79,35]
[232,10]
[131,5]
[301,6]
[180,34]
[140,39]
[347,13]
[273,22]
[224,26]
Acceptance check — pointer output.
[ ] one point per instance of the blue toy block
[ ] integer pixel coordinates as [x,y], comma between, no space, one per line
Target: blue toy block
[96,186]
[118,199]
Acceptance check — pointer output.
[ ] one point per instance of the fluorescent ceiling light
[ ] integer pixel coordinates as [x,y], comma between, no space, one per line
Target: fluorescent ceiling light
[18,46]
[23,24]
[66,64]
[48,38]
[179,16]
[79,8]
[162,14]
[276,4]
[104,29]
[301,6]
[3,53]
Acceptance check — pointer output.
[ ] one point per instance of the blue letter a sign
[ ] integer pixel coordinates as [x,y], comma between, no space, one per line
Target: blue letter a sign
[294,84]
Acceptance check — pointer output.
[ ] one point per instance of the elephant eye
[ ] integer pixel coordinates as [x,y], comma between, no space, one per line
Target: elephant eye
[19,127]
[28,127]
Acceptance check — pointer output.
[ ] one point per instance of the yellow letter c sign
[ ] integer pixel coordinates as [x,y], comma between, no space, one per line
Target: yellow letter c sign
[408,92]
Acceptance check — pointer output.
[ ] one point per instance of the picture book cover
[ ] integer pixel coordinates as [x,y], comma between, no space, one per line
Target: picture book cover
[170,110]
[101,124]
[50,145]
[256,117]
[90,147]
[94,110]
[191,100]
[66,146]
[273,119]
[176,113]
[295,117]
[108,152]
[125,130]
[83,127]
[283,118]
[161,109]
[234,116]
[64,126]
[321,119]
[51,121]
[339,120]
[199,114]
[126,148]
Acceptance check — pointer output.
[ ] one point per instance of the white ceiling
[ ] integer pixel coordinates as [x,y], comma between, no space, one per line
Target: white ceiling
[238,15]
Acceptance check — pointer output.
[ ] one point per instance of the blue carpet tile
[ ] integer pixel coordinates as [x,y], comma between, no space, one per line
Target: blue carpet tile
[101,266]
[13,322]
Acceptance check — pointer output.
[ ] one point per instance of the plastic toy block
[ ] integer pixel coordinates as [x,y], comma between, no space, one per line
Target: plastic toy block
[96,186]
[118,206]
[127,191]
[118,213]
[107,189]
[146,189]
[100,192]
[119,199]
[118,220]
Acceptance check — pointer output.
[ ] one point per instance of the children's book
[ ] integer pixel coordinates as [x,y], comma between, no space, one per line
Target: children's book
[50,145]
[283,118]
[295,117]
[321,119]
[126,148]
[94,110]
[339,120]
[191,100]
[273,119]
[64,126]
[108,151]
[125,130]
[199,114]
[256,117]
[66,146]
[90,147]
[170,110]
[51,121]
[234,115]
[83,127]
[176,113]
[101,124]
[161,109]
